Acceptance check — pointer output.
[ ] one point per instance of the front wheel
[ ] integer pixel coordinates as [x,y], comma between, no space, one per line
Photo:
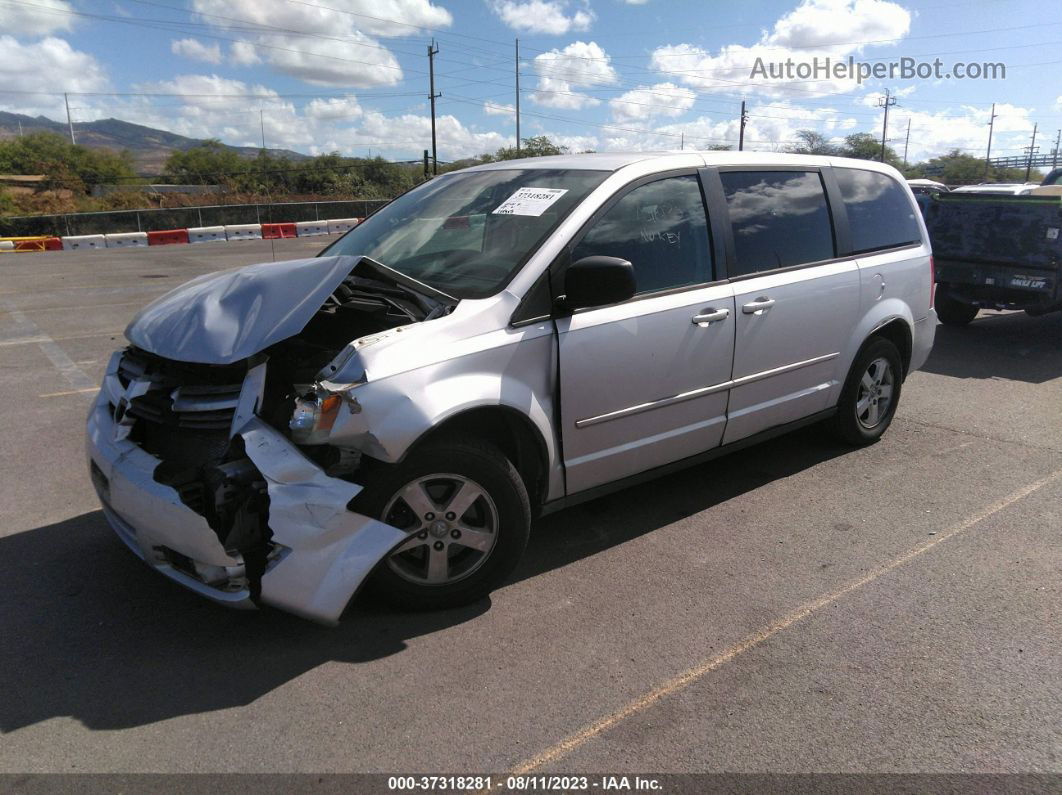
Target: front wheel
[870,393]
[467,516]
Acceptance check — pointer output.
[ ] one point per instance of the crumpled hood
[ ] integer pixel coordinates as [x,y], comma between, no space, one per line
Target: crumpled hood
[221,318]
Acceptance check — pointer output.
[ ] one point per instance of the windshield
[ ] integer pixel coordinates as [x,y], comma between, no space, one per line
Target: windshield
[467,233]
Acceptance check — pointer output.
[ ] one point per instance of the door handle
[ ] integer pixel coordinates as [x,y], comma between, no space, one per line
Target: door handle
[710,316]
[757,306]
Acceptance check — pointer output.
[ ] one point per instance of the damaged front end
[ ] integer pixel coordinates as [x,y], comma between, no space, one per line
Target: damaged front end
[202,445]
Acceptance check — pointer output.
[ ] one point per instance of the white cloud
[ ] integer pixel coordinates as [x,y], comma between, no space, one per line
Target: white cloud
[243,53]
[37,18]
[195,50]
[334,44]
[542,16]
[334,109]
[815,28]
[647,102]
[219,107]
[495,109]
[43,66]
[579,65]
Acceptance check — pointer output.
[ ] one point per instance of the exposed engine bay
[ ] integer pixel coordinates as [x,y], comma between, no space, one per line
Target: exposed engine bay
[189,414]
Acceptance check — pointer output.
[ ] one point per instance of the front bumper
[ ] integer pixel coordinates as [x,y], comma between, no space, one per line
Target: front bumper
[322,551]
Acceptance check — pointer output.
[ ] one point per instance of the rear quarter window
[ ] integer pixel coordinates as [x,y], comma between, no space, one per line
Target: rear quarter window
[880,215]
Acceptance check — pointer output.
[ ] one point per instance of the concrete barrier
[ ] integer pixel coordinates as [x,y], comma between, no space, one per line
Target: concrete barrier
[206,234]
[277,231]
[243,231]
[339,225]
[126,239]
[79,242]
[7,245]
[167,237]
[311,228]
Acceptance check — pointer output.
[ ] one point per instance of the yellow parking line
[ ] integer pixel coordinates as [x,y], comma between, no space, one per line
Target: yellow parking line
[70,392]
[691,675]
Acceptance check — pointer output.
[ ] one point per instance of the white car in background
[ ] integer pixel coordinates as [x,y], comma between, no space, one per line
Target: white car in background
[1000,188]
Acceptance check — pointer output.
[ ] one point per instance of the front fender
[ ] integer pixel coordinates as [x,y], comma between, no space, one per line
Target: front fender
[386,417]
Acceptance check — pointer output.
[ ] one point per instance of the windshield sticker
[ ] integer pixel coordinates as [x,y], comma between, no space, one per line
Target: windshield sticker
[530,201]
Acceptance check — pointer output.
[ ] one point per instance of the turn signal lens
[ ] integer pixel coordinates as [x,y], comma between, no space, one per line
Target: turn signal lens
[313,418]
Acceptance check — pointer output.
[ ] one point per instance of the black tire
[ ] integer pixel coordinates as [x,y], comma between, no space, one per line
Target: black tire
[846,424]
[951,311]
[486,467]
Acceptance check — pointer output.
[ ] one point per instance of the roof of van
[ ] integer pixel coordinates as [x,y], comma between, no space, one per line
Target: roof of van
[613,161]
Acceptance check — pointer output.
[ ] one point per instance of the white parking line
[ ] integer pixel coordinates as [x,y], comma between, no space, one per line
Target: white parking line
[692,675]
[73,374]
[70,392]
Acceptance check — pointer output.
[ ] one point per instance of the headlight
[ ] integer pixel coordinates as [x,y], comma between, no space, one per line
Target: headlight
[313,418]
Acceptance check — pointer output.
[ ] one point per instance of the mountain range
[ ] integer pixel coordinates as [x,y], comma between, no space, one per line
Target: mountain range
[149,146]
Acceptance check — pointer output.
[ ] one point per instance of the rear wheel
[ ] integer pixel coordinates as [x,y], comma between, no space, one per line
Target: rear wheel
[951,311]
[870,394]
[467,516]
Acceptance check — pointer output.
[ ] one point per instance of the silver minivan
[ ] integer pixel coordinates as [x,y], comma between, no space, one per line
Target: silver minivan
[498,343]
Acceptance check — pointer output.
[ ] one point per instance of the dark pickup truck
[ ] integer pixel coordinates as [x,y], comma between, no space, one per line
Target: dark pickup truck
[995,252]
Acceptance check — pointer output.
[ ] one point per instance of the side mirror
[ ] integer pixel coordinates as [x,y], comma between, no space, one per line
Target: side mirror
[597,281]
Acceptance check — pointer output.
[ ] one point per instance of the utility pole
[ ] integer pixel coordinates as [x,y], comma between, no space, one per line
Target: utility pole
[518,97]
[885,102]
[427,166]
[906,143]
[261,121]
[69,122]
[1054,159]
[741,131]
[433,50]
[682,142]
[20,130]
[988,154]
[1032,151]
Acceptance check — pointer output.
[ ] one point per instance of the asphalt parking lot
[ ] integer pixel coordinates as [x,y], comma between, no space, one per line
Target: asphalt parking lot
[796,607]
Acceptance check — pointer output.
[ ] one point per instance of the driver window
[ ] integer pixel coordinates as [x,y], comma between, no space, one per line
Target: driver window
[661,228]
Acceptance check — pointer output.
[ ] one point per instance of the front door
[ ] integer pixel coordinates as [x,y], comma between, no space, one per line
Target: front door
[644,383]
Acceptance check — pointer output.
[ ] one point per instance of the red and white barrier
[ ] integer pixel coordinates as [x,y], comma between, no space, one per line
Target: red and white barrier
[126,239]
[206,234]
[197,234]
[341,225]
[311,228]
[79,242]
[277,231]
[243,231]
[167,237]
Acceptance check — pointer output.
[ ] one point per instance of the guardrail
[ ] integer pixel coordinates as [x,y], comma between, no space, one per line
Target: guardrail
[168,237]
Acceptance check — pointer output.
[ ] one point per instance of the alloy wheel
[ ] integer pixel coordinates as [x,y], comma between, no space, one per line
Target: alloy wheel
[452,524]
[875,393]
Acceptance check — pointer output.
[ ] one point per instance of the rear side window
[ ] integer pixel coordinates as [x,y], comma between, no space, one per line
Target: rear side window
[779,218]
[879,212]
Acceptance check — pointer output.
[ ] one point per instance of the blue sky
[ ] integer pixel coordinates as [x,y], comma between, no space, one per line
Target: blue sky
[351,75]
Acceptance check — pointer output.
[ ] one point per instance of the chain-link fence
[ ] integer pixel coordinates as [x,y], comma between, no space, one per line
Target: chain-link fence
[183,217]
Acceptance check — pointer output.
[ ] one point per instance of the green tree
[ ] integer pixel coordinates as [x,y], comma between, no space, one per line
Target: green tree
[867,146]
[812,142]
[959,168]
[537,146]
[66,165]
[209,163]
